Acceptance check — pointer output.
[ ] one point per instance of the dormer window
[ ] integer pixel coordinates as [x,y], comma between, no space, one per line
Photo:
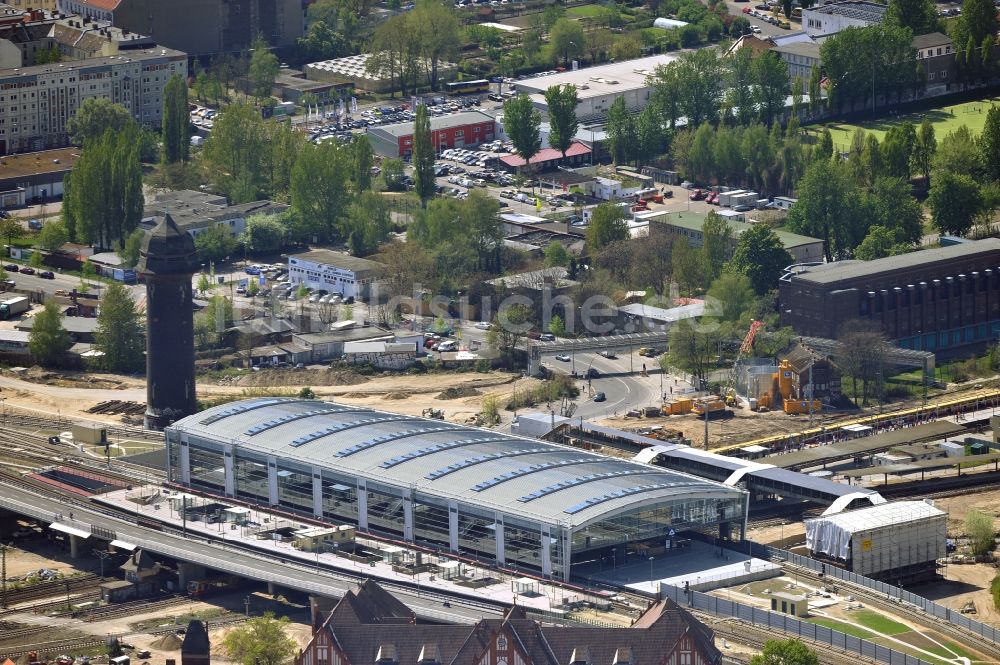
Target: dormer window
[386,655]
[429,655]
[580,656]
[623,656]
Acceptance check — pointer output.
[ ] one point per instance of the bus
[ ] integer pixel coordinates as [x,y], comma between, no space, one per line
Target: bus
[465,87]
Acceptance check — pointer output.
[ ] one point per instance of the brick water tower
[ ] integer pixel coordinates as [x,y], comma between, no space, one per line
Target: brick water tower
[167,262]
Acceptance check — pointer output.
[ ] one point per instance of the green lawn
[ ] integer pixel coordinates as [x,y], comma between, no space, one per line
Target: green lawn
[945,119]
[856,631]
[588,11]
[879,623]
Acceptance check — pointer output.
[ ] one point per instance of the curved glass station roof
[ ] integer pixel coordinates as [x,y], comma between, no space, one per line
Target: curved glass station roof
[518,476]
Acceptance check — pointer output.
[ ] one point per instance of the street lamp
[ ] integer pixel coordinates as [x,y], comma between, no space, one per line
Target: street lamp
[651,573]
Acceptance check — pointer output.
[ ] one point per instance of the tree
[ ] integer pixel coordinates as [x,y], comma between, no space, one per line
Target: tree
[651,138]
[829,208]
[717,239]
[245,157]
[626,47]
[897,150]
[693,350]
[265,233]
[509,327]
[130,247]
[957,153]
[364,159]
[392,174]
[104,203]
[924,148]
[889,203]
[264,68]
[88,273]
[10,228]
[760,256]
[955,200]
[36,260]
[95,116]
[989,143]
[53,235]
[562,101]
[521,120]
[215,243]
[980,19]
[48,339]
[322,42]
[785,652]
[771,85]
[556,255]
[423,156]
[119,333]
[260,641]
[731,295]
[689,271]
[367,224]
[666,96]
[879,243]
[919,16]
[480,214]
[440,34]
[621,132]
[319,189]
[980,531]
[861,355]
[699,73]
[176,142]
[607,225]
[566,39]
[212,321]
[740,85]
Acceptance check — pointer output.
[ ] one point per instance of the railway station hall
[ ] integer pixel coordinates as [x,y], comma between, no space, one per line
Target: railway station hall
[516,501]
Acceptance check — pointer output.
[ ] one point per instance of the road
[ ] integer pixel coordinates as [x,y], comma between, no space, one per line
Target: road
[215,555]
[620,380]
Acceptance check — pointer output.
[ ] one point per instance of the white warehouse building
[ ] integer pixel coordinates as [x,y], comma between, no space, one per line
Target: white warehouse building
[333,272]
[598,87]
[498,497]
[898,542]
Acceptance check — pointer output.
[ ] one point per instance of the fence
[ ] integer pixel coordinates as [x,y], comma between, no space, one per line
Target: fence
[892,592]
[788,625]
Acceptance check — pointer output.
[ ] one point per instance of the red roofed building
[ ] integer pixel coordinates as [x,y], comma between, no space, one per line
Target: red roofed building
[549,158]
[368,626]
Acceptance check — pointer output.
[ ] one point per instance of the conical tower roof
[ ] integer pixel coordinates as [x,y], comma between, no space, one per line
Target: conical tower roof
[167,250]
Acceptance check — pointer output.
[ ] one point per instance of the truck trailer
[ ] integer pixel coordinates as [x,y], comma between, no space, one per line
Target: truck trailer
[13,307]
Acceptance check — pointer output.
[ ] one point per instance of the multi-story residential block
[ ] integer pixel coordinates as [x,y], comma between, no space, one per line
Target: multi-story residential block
[37,101]
[199,27]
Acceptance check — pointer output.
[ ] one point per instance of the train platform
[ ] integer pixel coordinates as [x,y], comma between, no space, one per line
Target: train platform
[442,573]
[700,565]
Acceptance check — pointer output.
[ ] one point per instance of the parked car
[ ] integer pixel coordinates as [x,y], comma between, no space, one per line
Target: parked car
[546,337]
[697,195]
[12,267]
[47,274]
[483,325]
[27,270]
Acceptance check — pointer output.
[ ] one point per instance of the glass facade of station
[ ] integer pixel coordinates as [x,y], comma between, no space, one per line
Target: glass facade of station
[437,521]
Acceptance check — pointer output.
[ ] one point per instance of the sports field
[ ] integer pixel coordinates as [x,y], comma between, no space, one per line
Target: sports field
[946,119]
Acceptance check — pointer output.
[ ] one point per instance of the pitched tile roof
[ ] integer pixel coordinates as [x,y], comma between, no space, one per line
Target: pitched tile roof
[369,622]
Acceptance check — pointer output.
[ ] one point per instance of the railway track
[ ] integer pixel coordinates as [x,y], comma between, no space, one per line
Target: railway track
[105,612]
[52,587]
[879,601]
[52,647]
[746,634]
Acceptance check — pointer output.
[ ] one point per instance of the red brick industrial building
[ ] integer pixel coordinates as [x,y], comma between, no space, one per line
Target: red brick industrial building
[460,130]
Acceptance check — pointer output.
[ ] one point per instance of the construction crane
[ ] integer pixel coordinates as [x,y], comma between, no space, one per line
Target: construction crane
[729,394]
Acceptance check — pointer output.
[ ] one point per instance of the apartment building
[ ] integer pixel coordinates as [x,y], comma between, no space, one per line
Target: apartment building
[36,102]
